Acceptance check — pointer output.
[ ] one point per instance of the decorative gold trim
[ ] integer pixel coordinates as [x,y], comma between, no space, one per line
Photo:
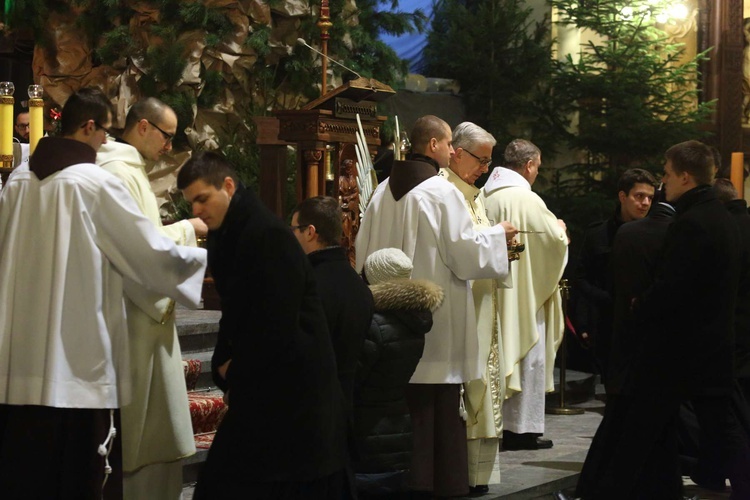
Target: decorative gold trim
[36,103]
[7,161]
[6,99]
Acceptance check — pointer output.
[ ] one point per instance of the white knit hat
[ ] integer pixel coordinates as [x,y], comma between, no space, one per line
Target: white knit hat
[387,264]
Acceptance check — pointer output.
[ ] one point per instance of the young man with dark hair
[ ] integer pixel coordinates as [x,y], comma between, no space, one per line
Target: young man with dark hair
[72,236]
[686,351]
[347,301]
[157,431]
[283,435]
[592,286]
[21,129]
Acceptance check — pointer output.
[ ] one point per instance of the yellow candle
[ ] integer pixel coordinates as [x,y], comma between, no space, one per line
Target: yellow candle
[36,122]
[738,173]
[6,125]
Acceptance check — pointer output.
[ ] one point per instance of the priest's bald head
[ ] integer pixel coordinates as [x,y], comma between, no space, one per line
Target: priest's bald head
[432,137]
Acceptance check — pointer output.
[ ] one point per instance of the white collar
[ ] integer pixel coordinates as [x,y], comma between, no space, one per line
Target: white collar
[502,177]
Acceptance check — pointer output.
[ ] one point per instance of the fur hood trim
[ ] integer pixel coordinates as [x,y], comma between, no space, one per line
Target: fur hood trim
[407,294]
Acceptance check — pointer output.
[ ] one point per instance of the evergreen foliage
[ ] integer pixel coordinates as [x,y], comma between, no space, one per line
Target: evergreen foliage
[501,57]
[633,97]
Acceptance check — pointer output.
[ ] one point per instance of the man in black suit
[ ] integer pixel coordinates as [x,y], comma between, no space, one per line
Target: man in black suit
[593,287]
[283,435]
[347,300]
[634,254]
[687,348]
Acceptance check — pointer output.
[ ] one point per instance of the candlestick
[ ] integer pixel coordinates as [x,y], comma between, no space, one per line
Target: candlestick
[737,175]
[36,116]
[6,123]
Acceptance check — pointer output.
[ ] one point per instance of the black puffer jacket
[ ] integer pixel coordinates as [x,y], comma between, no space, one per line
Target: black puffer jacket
[392,349]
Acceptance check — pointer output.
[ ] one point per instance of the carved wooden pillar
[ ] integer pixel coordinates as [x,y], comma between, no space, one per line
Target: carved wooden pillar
[720,28]
[312,178]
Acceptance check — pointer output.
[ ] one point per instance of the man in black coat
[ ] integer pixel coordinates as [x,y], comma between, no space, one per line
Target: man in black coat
[634,255]
[282,436]
[347,301]
[687,348]
[592,286]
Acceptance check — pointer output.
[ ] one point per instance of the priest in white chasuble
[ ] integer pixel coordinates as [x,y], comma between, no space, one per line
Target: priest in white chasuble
[532,333]
[484,397]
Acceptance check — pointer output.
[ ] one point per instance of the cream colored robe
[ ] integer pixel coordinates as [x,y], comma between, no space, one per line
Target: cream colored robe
[484,397]
[508,196]
[156,425]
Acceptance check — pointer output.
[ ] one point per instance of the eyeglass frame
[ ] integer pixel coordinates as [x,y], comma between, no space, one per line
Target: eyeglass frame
[484,162]
[300,226]
[167,136]
[99,126]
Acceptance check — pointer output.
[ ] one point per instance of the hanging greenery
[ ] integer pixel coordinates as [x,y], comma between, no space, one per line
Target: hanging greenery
[632,92]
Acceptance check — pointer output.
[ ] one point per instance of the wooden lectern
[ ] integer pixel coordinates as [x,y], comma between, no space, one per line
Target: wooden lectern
[325,133]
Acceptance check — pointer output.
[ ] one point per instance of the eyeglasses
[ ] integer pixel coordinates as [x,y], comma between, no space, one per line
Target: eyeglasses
[107,130]
[22,125]
[167,136]
[299,228]
[485,162]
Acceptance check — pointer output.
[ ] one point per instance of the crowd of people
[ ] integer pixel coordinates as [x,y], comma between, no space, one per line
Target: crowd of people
[399,378]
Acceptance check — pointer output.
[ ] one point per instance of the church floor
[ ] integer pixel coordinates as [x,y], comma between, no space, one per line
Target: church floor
[528,475]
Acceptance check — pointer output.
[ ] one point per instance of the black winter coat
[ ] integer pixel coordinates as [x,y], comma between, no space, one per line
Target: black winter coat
[392,350]
[348,305]
[738,209]
[285,418]
[688,313]
[635,252]
[593,288]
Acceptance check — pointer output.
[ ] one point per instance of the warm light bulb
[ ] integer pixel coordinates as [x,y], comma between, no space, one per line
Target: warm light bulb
[7,88]
[35,92]
[678,12]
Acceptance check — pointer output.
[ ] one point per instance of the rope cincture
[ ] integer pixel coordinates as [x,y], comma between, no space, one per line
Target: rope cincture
[106,447]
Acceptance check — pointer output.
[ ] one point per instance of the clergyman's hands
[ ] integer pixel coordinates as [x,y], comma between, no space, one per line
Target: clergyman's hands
[200,227]
[510,230]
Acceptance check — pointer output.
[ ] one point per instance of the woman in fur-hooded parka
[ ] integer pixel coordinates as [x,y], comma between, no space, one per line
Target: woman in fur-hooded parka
[392,349]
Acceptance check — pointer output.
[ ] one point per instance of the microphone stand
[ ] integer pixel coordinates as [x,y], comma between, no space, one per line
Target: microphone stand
[561,409]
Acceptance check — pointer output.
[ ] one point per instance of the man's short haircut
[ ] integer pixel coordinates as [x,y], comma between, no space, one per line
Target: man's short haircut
[24,111]
[82,106]
[151,109]
[725,190]
[426,128]
[324,213]
[208,167]
[469,136]
[518,152]
[692,157]
[633,176]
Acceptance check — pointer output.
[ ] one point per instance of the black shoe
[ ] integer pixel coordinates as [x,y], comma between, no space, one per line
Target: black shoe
[712,484]
[561,495]
[479,489]
[525,441]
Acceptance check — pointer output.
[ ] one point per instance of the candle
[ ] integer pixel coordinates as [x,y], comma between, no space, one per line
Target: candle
[738,173]
[36,116]
[6,123]
[397,147]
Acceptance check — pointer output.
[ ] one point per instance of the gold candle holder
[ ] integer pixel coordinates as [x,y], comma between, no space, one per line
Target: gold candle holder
[36,115]
[6,123]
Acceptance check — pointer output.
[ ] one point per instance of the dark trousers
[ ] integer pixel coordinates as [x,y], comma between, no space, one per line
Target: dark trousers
[634,452]
[724,450]
[440,461]
[51,453]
